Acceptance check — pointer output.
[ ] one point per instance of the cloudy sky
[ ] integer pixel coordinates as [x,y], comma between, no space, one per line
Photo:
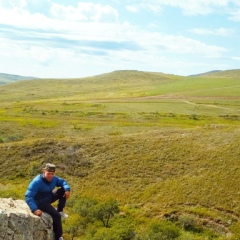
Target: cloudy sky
[72,38]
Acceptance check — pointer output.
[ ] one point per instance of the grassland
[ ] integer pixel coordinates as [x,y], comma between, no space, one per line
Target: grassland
[164,146]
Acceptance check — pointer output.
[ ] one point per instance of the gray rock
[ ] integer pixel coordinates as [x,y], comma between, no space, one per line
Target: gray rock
[18,223]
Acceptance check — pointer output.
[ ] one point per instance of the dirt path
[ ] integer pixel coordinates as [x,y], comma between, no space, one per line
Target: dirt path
[210,105]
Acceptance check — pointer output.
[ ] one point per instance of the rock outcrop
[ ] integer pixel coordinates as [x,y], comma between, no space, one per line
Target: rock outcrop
[18,223]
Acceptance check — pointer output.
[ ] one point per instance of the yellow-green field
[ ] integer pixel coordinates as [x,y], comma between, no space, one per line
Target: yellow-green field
[165,147]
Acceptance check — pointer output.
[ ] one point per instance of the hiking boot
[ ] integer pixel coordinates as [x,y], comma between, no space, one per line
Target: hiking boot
[63,215]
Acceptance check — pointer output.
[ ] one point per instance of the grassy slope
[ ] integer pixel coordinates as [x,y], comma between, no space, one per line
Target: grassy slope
[160,142]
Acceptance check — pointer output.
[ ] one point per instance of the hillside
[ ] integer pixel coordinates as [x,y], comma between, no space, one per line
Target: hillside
[9,78]
[205,73]
[115,84]
[165,147]
[221,74]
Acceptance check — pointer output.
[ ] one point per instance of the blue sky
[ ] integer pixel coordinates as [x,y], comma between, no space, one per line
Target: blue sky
[72,38]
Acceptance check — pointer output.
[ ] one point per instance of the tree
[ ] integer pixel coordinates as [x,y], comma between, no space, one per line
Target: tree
[104,211]
[84,207]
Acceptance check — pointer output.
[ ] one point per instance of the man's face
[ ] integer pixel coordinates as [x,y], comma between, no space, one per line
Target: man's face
[48,175]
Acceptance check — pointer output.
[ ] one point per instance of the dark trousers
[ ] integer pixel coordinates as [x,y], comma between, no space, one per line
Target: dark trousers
[48,208]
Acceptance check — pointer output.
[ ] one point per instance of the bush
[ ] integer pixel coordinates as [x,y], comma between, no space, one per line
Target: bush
[112,234]
[189,223]
[162,230]
[105,234]
[13,138]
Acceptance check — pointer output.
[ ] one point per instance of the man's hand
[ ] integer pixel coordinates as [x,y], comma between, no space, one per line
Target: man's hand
[38,212]
[67,194]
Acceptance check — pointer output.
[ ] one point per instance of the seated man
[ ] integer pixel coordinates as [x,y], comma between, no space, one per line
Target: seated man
[41,193]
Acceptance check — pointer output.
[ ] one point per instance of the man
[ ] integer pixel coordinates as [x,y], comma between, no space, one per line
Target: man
[41,193]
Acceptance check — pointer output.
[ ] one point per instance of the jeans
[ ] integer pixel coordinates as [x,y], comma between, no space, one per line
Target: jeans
[48,208]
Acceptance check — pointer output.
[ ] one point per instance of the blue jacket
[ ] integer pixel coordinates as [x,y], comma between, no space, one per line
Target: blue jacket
[39,191]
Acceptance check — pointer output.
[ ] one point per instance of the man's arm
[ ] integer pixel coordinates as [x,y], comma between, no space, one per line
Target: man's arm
[38,212]
[30,194]
[63,183]
[67,194]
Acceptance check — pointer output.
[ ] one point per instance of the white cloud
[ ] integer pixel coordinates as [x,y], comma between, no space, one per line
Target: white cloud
[69,26]
[192,7]
[154,7]
[85,12]
[217,32]
[90,33]
[151,6]
[132,8]
[236,58]
[235,15]
[195,7]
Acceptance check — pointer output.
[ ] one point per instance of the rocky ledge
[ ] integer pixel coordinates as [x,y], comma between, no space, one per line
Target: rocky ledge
[18,223]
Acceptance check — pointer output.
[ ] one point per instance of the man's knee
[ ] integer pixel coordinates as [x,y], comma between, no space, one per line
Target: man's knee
[59,192]
[55,215]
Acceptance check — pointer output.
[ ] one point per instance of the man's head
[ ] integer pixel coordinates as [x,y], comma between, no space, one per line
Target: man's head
[49,171]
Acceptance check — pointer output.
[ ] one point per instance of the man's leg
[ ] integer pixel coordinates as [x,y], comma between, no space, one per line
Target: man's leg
[58,195]
[57,222]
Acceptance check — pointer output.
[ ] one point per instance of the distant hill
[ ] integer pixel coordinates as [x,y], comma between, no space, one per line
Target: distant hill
[117,84]
[132,75]
[9,78]
[120,85]
[205,73]
[234,73]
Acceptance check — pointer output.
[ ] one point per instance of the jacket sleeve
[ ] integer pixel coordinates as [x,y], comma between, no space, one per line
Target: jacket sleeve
[30,194]
[63,183]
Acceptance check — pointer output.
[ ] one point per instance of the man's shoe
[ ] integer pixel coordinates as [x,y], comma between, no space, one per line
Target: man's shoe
[61,238]
[63,215]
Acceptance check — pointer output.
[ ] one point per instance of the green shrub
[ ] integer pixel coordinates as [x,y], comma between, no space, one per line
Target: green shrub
[161,231]
[117,232]
[10,193]
[83,207]
[13,138]
[189,223]
[105,234]
[34,168]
